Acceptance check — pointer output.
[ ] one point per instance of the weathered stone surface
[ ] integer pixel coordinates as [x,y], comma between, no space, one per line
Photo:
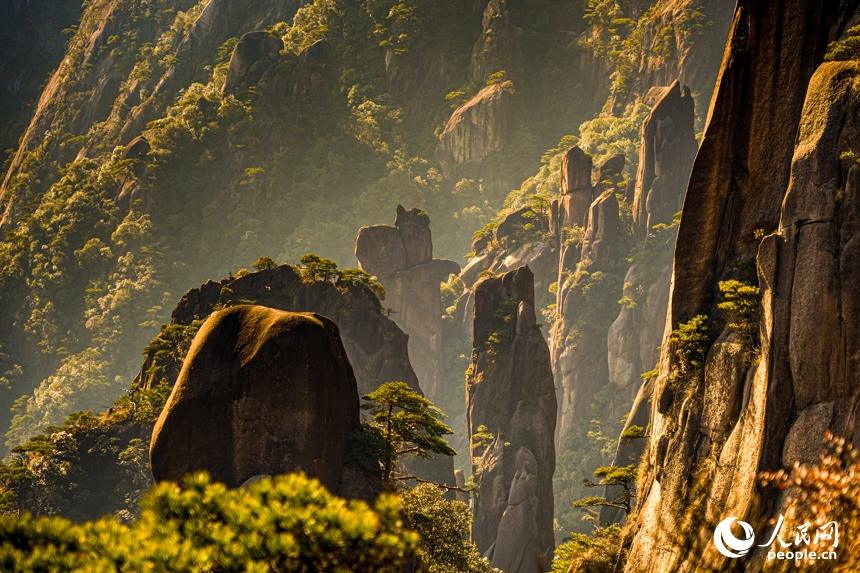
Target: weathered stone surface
[726,367]
[602,230]
[518,545]
[414,229]
[665,159]
[575,171]
[512,221]
[261,392]
[611,169]
[375,344]
[401,256]
[511,392]
[498,46]
[413,293]
[445,268]
[764,166]
[379,250]
[252,56]
[477,128]
[805,440]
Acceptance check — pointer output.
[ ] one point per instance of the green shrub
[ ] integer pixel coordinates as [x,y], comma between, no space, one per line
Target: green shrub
[264,263]
[288,523]
[741,306]
[690,340]
[596,553]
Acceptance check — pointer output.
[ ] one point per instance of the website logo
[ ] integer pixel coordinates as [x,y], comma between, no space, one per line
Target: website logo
[827,535]
[725,541]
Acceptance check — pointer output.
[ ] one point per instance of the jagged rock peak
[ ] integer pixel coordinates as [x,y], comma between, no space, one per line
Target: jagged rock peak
[576,168]
[665,159]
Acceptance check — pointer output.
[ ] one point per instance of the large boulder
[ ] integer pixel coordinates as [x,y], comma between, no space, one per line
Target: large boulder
[379,250]
[261,392]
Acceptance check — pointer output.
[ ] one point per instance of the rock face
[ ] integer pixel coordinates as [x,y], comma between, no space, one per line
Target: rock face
[376,346]
[665,159]
[261,392]
[633,341]
[477,128]
[510,391]
[108,97]
[498,47]
[252,56]
[669,50]
[575,341]
[401,256]
[769,160]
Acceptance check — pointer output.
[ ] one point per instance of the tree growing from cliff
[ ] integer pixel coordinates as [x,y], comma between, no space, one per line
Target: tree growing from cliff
[625,477]
[264,263]
[410,425]
[741,306]
[690,340]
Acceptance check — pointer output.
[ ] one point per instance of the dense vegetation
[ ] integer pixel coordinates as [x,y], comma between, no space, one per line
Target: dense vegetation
[288,523]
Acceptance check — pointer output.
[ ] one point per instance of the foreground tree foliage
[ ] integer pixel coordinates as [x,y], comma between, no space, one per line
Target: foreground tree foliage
[831,491]
[289,523]
[444,529]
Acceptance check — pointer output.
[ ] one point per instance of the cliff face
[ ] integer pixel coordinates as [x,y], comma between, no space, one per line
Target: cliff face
[32,43]
[512,398]
[763,401]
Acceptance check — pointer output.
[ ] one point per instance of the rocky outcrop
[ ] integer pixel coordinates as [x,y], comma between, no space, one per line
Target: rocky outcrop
[497,49]
[761,167]
[477,128]
[31,45]
[665,159]
[510,392]
[252,56]
[680,40]
[101,95]
[578,339]
[374,343]
[401,256]
[261,392]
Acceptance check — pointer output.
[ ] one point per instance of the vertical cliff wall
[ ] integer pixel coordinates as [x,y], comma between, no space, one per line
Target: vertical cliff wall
[733,404]
[511,417]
